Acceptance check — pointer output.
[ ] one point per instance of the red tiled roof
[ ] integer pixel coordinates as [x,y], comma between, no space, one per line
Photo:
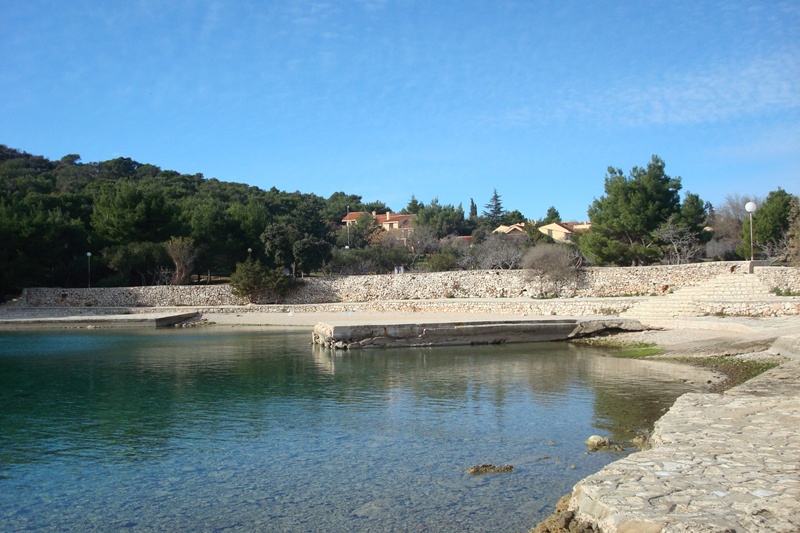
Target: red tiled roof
[565,227]
[573,226]
[352,216]
[393,217]
[383,219]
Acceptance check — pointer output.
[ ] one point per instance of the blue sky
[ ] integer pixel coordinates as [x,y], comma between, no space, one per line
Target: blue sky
[435,98]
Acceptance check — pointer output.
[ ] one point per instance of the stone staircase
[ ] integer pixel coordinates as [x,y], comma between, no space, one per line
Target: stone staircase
[692,301]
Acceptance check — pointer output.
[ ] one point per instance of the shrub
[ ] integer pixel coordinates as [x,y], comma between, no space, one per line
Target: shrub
[368,260]
[251,279]
[777,291]
[441,262]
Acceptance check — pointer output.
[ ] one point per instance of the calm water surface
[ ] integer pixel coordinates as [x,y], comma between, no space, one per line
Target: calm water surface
[221,429]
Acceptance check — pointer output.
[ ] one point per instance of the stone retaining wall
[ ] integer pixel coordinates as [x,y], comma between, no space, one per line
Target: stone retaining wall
[785,279]
[512,306]
[761,309]
[595,282]
[157,296]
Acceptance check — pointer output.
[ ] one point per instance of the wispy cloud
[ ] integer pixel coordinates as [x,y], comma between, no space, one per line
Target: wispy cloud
[763,85]
[716,94]
[372,5]
[312,13]
[777,142]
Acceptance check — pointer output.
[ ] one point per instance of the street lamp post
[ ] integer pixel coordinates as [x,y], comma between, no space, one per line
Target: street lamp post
[89,270]
[347,223]
[750,207]
[249,254]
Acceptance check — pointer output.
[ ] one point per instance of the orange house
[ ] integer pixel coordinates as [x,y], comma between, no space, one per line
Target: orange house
[389,221]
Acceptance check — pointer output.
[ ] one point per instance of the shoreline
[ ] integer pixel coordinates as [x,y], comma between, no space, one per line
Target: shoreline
[685,440]
[749,339]
[716,462]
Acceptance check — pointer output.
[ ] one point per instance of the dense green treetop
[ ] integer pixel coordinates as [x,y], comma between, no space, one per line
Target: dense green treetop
[443,220]
[414,206]
[625,219]
[551,216]
[120,210]
[493,211]
[52,213]
[772,224]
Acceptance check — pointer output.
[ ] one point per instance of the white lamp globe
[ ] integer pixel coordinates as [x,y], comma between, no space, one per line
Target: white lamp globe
[750,207]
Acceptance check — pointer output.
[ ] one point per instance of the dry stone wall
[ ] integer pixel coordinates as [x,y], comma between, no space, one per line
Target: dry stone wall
[514,287]
[783,279]
[157,296]
[595,282]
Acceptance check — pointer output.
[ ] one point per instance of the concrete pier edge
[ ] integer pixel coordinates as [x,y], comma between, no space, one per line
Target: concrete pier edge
[718,463]
[138,320]
[452,333]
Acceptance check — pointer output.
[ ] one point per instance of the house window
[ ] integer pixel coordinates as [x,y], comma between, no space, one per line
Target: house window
[549,233]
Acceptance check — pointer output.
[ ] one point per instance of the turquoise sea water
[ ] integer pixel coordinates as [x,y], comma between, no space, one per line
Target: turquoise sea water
[254,430]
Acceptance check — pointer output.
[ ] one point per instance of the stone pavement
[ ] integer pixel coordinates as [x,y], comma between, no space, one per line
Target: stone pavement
[719,463]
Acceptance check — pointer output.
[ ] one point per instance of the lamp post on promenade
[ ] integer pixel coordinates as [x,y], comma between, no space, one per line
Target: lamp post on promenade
[249,254]
[347,223]
[750,207]
[89,270]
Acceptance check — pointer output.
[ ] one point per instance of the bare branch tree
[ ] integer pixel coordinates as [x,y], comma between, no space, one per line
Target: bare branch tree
[498,252]
[556,263]
[727,221]
[183,252]
[469,259]
[422,241]
[777,250]
[681,244]
[162,276]
[794,233]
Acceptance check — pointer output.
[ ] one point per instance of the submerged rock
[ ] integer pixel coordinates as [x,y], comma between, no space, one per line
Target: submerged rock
[490,469]
[563,521]
[596,443]
[641,441]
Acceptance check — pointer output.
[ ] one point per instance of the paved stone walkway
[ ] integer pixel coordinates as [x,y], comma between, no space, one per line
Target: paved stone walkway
[719,463]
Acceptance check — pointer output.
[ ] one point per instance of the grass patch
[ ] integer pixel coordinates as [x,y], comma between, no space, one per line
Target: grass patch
[735,370]
[777,291]
[621,348]
[639,352]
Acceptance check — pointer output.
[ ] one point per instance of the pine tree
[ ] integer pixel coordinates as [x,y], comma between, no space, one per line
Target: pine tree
[494,211]
[551,216]
[624,219]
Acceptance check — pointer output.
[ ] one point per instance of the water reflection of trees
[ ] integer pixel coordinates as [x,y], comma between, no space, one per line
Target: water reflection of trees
[133,392]
[634,394]
[628,395]
[130,393]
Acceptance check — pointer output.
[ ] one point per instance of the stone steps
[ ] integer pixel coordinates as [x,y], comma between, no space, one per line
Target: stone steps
[687,302]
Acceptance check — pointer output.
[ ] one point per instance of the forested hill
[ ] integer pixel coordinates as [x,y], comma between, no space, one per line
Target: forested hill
[52,213]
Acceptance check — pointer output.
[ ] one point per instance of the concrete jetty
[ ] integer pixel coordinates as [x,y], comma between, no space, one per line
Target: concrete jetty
[345,336]
[136,320]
